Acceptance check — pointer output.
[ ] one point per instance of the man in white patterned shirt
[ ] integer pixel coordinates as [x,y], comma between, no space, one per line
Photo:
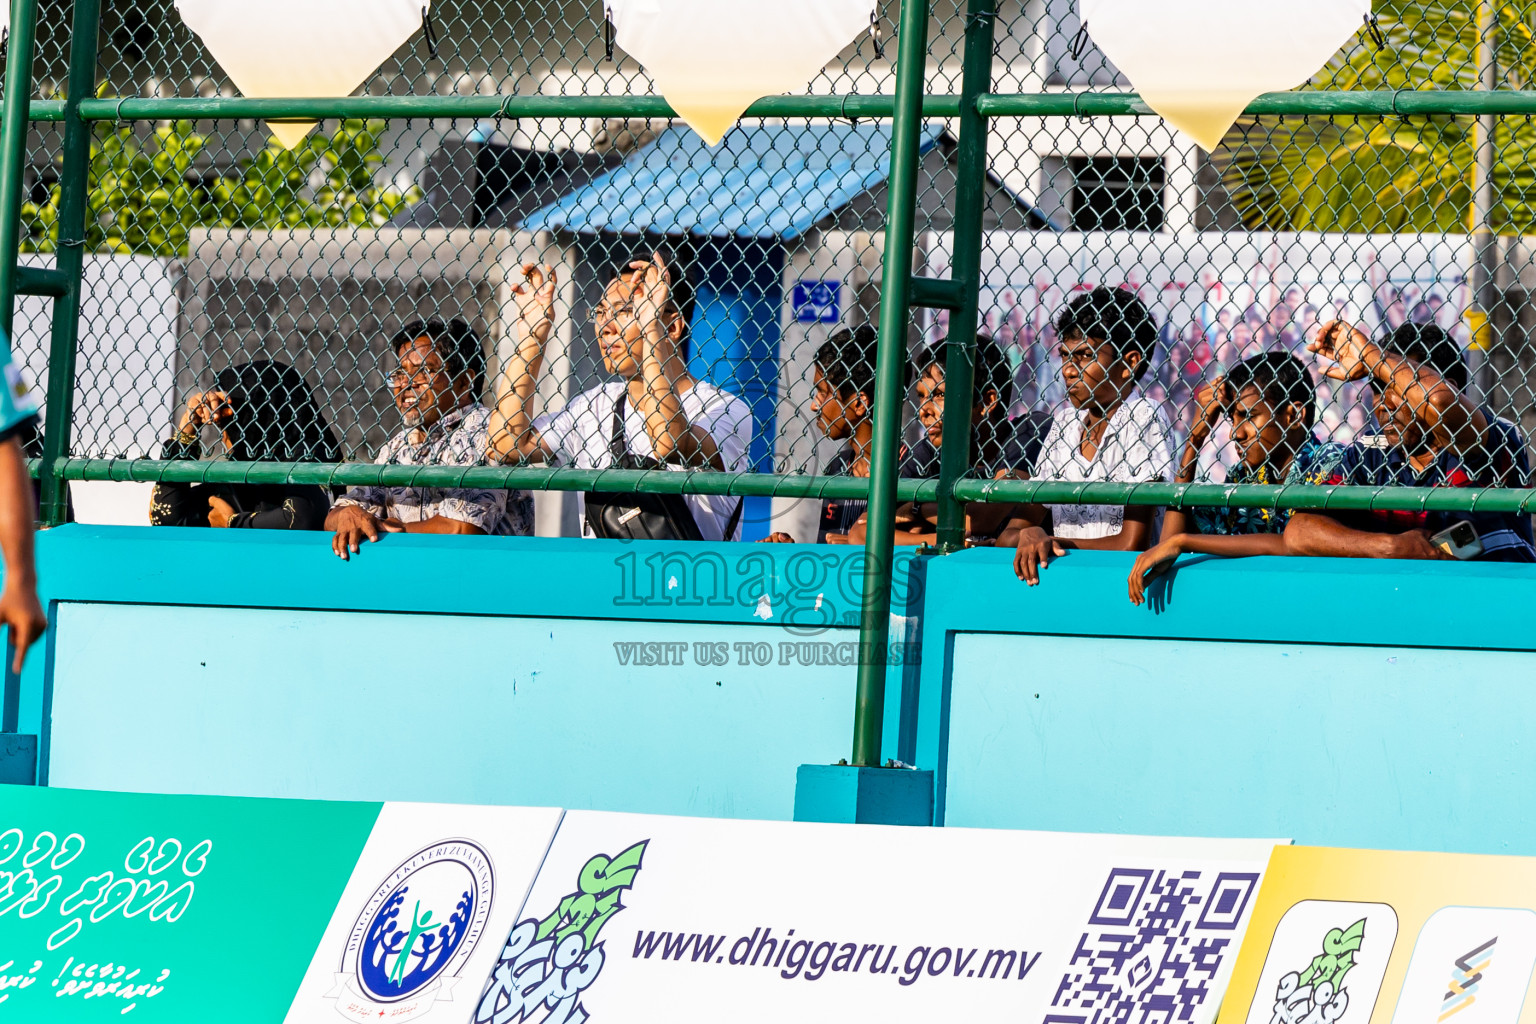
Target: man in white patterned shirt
[436,389]
[1110,432]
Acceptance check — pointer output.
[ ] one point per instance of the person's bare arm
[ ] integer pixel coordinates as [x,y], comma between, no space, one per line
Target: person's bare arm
[1322,536]
[1437,404]
[1022,519]
[987,520]
[1036,548]
[19,606]
[443,525]
[1158,559]
[510,433]
[350,525]
[913,528]
[669,430]
[1210,399]
[1176,522]
[1135,533]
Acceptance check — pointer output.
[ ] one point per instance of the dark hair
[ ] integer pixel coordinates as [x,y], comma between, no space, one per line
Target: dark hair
[1114,316]
[992,372]
[1280,377]
[847,361]
[455,341]
[682,288]
[275,415]
[1429,345]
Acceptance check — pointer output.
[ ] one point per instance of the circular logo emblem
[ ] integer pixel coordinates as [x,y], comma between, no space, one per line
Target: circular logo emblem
[423,922]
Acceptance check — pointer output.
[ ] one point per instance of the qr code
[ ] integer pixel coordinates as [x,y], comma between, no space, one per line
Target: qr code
[1153,946]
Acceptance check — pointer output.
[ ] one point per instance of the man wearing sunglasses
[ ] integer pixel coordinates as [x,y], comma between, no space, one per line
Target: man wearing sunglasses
[436,389]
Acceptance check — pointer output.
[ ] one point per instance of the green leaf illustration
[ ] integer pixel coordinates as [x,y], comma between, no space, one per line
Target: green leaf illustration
[1337,957]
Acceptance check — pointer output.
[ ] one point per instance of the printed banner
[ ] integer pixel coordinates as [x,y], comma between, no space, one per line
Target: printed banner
[183,910]
[424,915]
[1373,937]
[117,906]
[636,917]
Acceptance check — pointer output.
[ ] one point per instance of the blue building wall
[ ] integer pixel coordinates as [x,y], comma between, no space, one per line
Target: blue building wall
[739,293]
[1340,703]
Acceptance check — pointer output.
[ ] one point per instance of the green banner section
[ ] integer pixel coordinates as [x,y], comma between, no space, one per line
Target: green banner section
[165,908]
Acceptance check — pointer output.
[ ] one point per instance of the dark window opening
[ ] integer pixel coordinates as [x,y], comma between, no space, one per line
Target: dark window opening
[1111,193]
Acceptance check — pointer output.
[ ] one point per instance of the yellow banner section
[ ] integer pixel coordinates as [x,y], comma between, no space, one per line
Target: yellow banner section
[1480,327]
[1376,937]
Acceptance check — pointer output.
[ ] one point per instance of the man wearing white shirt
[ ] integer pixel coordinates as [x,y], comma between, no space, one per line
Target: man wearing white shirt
[666,414]
[1110,433]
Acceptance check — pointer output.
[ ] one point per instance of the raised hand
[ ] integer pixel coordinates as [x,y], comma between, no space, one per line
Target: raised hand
[1211,400]
[535,298]
[510,433]
[205,407]
[651,289]
[1354,356]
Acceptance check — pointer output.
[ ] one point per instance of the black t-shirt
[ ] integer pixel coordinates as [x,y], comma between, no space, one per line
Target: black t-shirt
[1021,440]
[838,515]
[257,506]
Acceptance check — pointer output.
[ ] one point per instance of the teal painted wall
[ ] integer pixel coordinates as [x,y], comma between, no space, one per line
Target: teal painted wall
[445,669]
[1338,746]
[1350,703]
[446,709]
[1353,703]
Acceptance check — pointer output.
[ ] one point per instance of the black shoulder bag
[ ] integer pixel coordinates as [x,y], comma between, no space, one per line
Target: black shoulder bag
[624,516]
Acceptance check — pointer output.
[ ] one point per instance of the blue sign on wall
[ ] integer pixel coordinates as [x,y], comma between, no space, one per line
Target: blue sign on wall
[818,302]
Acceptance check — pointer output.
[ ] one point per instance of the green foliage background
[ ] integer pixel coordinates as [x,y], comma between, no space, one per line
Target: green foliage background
[1394,174]
[146,197]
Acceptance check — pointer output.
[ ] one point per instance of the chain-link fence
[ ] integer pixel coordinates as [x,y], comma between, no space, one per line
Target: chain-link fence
[211,252]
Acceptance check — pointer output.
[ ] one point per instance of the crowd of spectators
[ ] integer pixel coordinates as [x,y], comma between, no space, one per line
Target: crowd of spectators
[1251,394]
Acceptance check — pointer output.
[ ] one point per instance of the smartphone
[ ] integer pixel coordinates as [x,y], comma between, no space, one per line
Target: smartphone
[1460,541]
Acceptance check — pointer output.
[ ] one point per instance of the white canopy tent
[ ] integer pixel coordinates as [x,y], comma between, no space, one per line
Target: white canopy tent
[712,58]
[301,48]
[1198,63]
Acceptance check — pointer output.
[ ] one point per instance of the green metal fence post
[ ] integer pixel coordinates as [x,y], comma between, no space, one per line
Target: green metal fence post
[895,294]
[13,149]
[965,271]
[74,185]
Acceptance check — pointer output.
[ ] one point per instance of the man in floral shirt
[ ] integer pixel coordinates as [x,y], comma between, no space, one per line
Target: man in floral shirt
[436,389]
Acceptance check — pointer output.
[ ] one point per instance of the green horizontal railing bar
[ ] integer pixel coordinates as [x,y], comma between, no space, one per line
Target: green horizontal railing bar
[1340,499]
[533,478]
[936,293]
[536,478]
[1382,102]
[41,281]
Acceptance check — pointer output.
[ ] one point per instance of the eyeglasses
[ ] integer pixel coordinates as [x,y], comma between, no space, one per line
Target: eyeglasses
[603,314]
[402,377]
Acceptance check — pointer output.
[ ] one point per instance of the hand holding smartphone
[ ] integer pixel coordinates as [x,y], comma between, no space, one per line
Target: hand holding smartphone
[1460,541]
